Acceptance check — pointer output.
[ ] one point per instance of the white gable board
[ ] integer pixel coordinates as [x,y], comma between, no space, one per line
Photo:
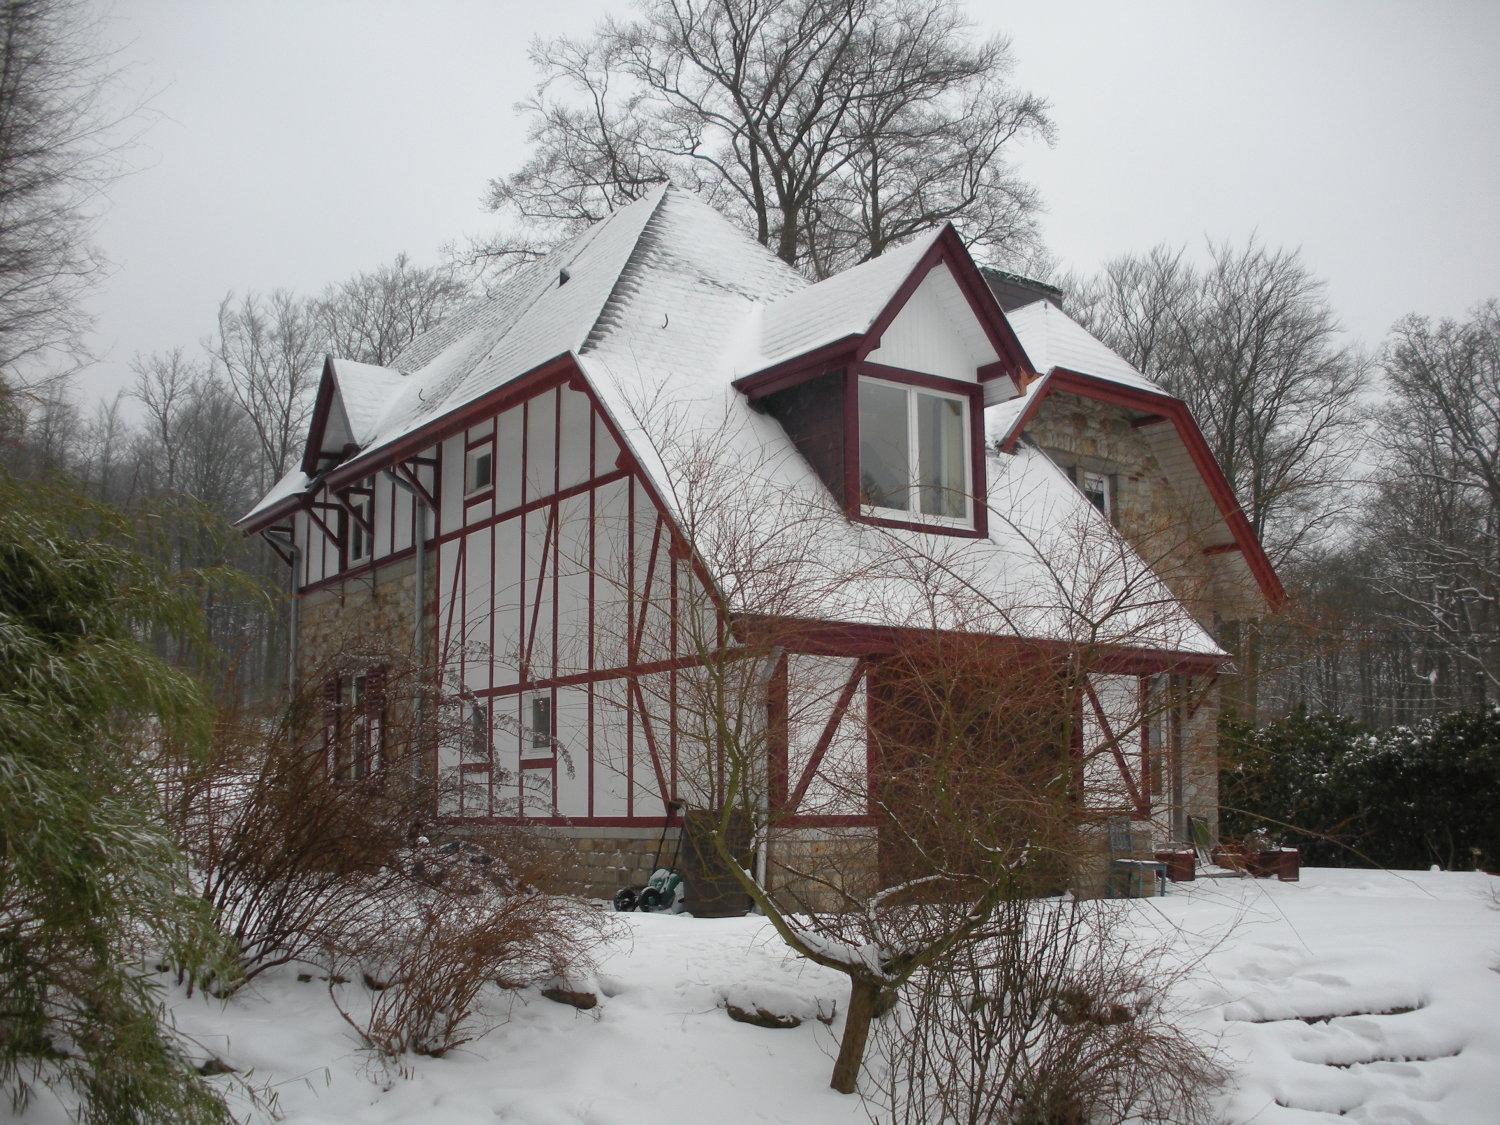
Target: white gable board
[936,332]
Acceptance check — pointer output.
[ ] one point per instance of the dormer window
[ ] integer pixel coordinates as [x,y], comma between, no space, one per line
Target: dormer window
[915,461]
[479,469]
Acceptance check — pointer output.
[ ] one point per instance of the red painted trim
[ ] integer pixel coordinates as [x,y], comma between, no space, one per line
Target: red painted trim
[640,625]
[851,442]
[1213,679]
[973,394]
[933,528]
[920,379]
[832,638]
[1144,693]
[537,504]
[322,407]
[825,739]
[798,369]
[777,732]
[590,657]
[999,369]
[948,249]
[540,378]
[335,537]
[649,732]
[356,572]
[549,531]
[1103,390]
[407,470]
[1115,748]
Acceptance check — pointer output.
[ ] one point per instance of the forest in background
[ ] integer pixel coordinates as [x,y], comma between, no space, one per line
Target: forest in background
[1371,469]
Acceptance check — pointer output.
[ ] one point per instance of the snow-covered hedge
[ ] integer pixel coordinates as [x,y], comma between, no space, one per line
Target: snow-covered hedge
[1406,797]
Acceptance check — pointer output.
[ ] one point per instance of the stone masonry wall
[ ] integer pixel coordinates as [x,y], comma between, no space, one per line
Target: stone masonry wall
[1148,510]
[808,867]
[378,606]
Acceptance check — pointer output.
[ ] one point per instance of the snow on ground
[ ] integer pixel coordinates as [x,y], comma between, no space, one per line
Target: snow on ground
[1367,994]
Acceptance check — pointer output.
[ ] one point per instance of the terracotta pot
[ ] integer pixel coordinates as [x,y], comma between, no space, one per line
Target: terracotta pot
[1181,865]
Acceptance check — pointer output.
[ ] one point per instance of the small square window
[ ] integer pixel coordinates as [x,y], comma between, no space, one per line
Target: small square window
[360,522]
[541,722]
[1096,487]
[479,469]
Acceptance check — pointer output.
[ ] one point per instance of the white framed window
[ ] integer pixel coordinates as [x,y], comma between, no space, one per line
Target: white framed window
[538,718]
[479,469]
[361,523]
[914,453]
[1096,487]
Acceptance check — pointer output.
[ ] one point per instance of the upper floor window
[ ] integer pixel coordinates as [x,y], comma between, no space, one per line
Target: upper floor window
[914,456]
[361,523]
[540,722]
[1096,487]
[479,468]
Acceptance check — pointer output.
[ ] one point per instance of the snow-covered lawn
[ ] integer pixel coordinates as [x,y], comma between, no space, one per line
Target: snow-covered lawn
[1407,965]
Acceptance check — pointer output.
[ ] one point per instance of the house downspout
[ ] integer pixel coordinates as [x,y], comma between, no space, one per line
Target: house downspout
[419,632]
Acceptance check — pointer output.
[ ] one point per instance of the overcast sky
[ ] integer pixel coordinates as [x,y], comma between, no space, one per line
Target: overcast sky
[297,141]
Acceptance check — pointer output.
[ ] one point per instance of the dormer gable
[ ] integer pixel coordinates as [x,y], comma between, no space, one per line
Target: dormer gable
[923,307]
[880,376]
[351,400]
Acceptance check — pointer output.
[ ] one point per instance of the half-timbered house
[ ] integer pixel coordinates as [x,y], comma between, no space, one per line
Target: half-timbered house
[538,492]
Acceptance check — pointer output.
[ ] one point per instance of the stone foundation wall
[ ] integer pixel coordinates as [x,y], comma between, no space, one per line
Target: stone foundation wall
[808,867]
[590,862]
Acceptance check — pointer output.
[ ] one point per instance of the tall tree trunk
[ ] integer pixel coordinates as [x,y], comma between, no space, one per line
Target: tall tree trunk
[863,994]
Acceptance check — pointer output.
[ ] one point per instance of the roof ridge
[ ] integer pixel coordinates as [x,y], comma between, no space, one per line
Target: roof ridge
[617,288]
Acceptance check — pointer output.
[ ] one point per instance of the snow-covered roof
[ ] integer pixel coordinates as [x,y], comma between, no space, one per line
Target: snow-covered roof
[365,392]
[1052,338]
[844,305]
[664,305]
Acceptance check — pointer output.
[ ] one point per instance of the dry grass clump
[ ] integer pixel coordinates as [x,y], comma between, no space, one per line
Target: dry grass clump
[428,968]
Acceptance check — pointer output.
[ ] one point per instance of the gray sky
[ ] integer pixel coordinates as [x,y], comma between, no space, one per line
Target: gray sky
[301,140]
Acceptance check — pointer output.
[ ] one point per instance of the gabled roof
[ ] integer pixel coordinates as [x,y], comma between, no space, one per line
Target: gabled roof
[1073,361]
[661,303]
[847,314]
[351,401]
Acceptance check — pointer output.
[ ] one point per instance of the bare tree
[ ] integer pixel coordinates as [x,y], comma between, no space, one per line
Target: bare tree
[828,128]
[59,147]
[269,348]
[1438,500]
[971,802]
[374,315]
[1251,344]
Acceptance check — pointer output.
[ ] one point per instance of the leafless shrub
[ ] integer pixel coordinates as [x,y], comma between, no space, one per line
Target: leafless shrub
[432,967]
[1050,1016]
[300,823]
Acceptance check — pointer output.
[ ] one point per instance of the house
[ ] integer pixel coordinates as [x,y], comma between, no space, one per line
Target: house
[546,491]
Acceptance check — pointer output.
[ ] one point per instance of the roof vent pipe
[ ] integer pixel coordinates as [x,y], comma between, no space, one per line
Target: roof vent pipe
[562,278]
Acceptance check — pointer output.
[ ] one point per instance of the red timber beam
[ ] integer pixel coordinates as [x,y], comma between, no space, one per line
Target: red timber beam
[1142,805]
[649,732]
[312,508]
[549,534]
[831,638]
[830,730]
